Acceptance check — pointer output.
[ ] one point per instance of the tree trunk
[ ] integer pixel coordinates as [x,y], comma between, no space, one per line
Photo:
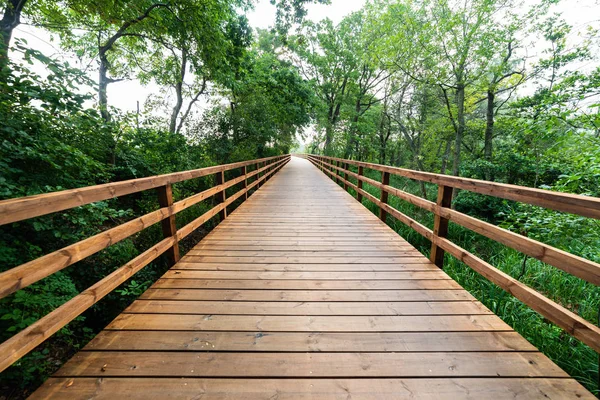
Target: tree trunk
[186,114]
[10,20]
[179,94]
[353,128]
[382,141]
[332,117]
[460,129]
[489,131]
[103,82]
[103,79]
[329,131]
[446,156]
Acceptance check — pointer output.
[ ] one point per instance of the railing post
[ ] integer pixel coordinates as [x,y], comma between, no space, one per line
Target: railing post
[266,174]
[385,179]
[258,176]
[169,228]
[345,176]
[244,172]
[359,184]
[440,225]
[221,196]
[337,173]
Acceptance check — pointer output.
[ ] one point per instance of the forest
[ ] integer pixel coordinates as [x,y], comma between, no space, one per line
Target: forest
[500,90]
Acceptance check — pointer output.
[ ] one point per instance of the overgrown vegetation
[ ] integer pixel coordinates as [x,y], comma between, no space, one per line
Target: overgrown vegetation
[489,89]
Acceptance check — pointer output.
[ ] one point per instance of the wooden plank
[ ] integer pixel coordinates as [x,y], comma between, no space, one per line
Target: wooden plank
[306,308]
[295,275]
[304,267]
[31,272]
[296,235]
[327,389]
[578,327]
[570,263]
[307,295]
[310,341]
[305,260]
[290,284]
[311,365]
[293,248]
[404,323]
[322,241]
[367,252]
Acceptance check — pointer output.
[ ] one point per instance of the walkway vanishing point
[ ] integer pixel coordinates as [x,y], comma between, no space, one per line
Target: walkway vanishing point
[303,293]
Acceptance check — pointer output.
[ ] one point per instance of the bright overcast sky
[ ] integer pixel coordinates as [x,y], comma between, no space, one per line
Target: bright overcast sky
[124,95]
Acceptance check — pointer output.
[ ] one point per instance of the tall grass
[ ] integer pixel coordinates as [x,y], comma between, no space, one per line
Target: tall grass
[583,298]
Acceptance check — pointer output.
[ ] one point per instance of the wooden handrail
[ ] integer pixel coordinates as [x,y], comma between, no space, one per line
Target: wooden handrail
[585,206]
[26,274]
[13,210]
[585,269]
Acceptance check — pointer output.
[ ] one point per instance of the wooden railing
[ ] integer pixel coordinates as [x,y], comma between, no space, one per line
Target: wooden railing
[19,209]
[585,206]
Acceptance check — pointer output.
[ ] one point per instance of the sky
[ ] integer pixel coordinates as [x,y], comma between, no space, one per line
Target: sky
[126,94]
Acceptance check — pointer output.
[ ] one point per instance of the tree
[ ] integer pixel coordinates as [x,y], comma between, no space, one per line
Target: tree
[325,56]
[269,103]
[368,79]
[10,20]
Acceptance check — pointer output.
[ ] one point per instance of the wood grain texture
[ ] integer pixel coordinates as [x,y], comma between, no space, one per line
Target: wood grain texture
[311,364]
[310,341]
[327,389]
[303,293]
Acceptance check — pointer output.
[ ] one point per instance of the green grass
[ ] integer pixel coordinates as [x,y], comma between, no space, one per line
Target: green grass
[583,298]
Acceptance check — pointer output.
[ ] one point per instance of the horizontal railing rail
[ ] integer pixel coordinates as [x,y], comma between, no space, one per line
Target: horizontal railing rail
[19,209]
[588,333]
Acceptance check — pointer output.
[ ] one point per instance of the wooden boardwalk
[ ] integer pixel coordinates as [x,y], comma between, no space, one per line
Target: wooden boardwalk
[302,292]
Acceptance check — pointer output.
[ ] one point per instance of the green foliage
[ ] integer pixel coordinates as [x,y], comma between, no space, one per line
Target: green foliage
[134,288]
[269,104]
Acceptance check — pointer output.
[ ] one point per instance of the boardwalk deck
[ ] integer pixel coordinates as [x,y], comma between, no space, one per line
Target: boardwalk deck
[302,292]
